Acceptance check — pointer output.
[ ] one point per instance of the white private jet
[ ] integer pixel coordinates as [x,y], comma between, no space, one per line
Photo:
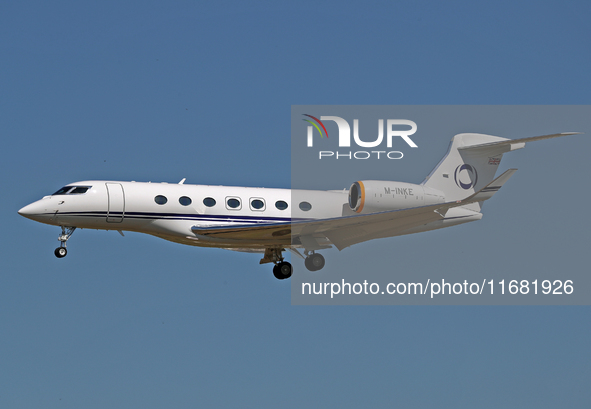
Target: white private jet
[270,221]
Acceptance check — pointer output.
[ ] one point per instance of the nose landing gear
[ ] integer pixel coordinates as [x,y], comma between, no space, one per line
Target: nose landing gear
[61,251]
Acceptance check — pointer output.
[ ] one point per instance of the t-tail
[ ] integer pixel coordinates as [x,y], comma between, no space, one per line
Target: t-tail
[471,163]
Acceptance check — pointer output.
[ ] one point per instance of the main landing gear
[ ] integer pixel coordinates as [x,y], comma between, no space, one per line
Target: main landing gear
[282,269]
[61,251]
[314,261]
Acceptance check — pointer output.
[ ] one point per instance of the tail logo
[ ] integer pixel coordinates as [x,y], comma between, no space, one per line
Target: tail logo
[470,175]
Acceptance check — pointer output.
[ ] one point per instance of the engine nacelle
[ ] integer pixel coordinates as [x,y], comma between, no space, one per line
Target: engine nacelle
[371,196]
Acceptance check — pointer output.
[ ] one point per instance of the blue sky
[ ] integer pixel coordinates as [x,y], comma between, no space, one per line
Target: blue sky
[159,91]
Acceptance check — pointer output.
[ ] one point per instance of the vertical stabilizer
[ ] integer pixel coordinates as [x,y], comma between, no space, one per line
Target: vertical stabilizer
[464,171]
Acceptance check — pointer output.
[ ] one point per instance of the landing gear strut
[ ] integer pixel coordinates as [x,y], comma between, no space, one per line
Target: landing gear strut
[61,251]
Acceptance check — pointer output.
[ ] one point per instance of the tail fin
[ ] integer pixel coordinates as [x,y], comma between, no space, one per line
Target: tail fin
[471,163]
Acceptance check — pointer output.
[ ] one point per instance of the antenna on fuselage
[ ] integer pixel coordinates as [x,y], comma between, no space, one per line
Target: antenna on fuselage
[182,181]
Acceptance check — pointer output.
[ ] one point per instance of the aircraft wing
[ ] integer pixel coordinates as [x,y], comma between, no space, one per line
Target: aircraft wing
[344,231]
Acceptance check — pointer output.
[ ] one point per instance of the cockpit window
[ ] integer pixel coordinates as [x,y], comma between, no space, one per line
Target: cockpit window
[79,190]
[72,190]
[63,190]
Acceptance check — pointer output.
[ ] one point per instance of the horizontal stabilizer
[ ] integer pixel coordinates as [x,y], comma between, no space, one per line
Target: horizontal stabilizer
[489,190]
[511,142]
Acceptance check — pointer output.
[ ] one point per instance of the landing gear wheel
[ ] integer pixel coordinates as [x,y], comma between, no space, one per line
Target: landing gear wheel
[314,262]
[282,270]
[60,252]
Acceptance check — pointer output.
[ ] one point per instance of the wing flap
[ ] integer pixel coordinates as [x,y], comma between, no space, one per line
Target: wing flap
[265,234]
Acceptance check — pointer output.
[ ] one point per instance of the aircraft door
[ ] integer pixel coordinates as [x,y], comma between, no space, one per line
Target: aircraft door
[116,209]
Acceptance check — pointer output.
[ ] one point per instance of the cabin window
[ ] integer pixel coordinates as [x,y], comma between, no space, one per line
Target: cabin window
[185,201]
[209,201]
[233,203]
[281,205]
[160,199]
[305,206]
[257,204]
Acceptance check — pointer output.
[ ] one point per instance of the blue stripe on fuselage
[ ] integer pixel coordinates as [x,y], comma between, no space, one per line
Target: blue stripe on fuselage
[182,216]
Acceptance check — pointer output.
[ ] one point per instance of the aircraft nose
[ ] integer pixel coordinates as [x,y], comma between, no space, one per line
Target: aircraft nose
[29,211]
[26,211]
[43,211]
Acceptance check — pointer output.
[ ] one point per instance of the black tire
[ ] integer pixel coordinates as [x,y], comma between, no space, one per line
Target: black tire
[277,272]
[314,262]
[282,270]
[60,252]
